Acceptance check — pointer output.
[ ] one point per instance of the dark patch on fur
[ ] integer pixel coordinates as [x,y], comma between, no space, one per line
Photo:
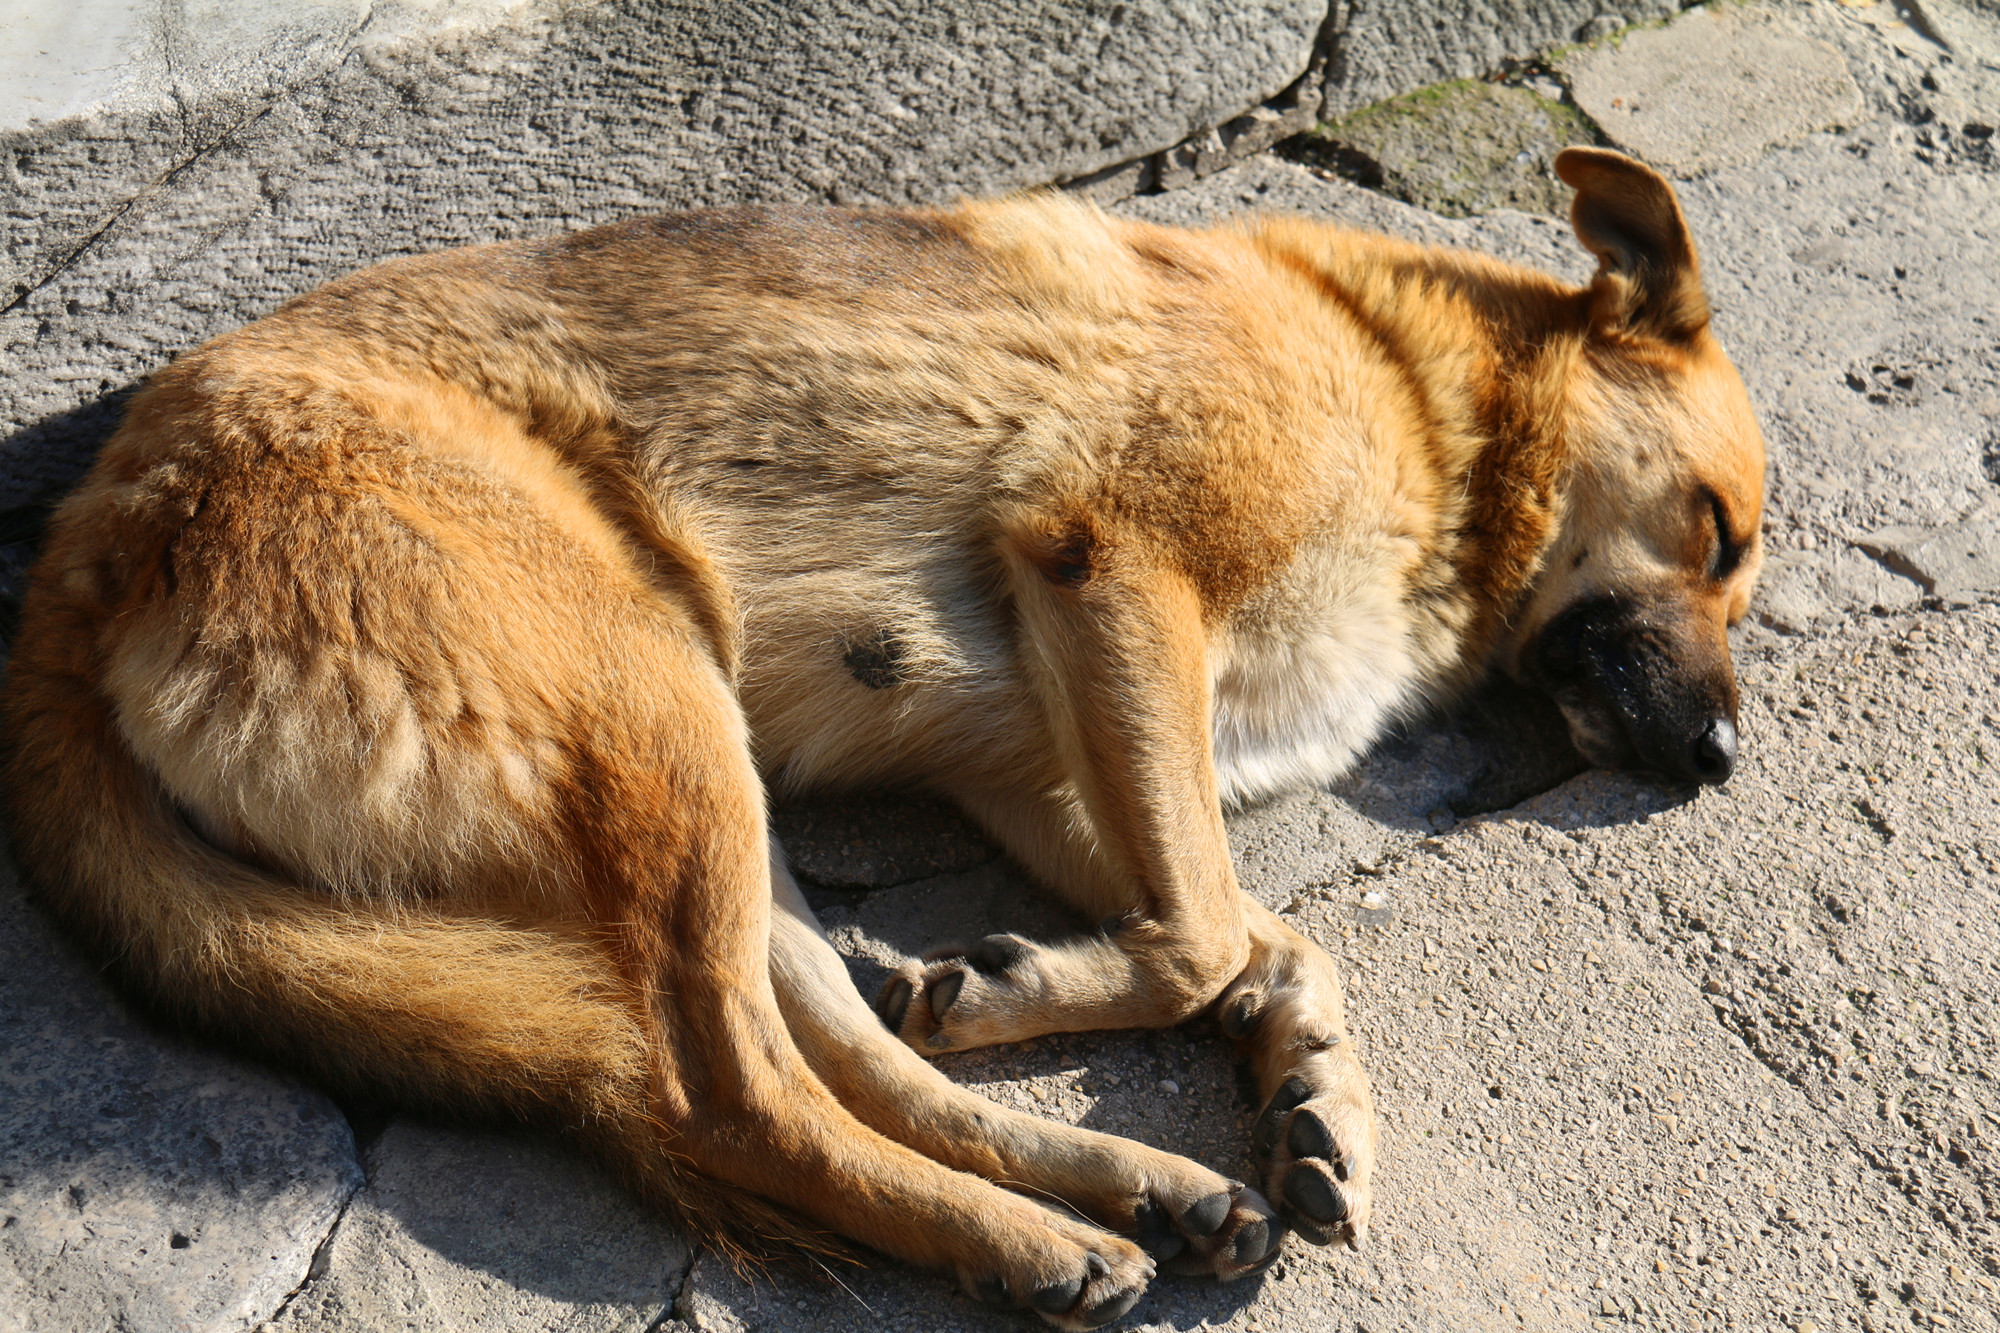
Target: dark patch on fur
[874,658]
[1070,563]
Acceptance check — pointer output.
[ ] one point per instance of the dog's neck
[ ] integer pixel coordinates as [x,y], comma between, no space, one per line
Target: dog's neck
[1492,349]
[1533,337]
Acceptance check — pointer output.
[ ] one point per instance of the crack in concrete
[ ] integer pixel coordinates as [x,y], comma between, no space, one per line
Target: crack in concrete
[1895,562]
[350,42]
[1293,110]
[61,266]
[676,1285]
[674,1313]
[317,1266]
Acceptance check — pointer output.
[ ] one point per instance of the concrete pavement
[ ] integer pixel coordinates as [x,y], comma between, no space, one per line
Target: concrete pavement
[1645,1057]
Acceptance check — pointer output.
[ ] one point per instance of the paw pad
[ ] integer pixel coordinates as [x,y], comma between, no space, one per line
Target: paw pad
[895,1002]
[997,953]
[943,993]
[1308,1163]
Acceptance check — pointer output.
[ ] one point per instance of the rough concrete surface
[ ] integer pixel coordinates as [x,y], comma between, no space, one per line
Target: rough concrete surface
[170,168]
[173,201]
[466,1231]
[1458,149]
[1645,1057]
[1953,563]
[1392,46]
[145,1184]
[1714,89]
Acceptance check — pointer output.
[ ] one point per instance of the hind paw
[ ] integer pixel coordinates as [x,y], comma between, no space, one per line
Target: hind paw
[1101,1279]
[1227,1234]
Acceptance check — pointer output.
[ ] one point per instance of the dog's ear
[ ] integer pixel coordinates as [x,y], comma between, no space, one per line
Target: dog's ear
[1625,213]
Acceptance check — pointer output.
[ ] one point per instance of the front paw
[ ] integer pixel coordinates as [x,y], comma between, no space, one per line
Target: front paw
[1315,1140]
[959,999]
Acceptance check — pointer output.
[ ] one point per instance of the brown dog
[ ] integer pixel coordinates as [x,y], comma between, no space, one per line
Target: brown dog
[400,695]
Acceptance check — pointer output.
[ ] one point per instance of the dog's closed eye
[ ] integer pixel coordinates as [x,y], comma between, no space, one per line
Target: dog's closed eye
[1728,550]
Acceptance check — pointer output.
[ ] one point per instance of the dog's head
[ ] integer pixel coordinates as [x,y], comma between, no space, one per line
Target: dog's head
[1659,538]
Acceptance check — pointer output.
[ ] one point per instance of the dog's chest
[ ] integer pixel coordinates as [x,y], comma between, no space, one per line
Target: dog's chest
[1304,682]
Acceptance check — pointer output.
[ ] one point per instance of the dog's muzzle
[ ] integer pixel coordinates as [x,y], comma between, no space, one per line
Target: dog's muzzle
[1641,680]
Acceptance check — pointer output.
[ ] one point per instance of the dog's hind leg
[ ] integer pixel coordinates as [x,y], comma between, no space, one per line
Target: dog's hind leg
[479,823]
[686,892]
[1188,1217]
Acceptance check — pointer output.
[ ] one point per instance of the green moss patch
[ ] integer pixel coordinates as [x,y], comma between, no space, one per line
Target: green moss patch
[1456,148]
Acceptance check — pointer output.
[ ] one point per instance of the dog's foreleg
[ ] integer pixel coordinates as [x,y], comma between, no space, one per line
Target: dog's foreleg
[1118,651]
[1115,646]
[1285,1010]
[1189,1218]
[1315,1138]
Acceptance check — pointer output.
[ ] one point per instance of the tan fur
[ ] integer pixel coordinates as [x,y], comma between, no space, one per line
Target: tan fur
[400,695]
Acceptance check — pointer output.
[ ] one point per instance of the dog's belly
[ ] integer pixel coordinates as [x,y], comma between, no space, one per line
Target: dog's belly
[867,684]
[891,659]
[886,671]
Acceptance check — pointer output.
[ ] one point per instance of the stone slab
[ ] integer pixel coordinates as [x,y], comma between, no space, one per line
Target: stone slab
[1714,88]
[192,191]
[1798,588]
[1384,48]
[1456,149]
[145,1184]
[458,1230]
[1953,561]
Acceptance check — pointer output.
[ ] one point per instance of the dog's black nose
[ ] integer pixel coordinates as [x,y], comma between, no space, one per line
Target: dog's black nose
[1713,757]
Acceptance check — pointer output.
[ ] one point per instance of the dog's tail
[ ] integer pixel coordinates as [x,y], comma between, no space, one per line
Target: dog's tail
[454,1014]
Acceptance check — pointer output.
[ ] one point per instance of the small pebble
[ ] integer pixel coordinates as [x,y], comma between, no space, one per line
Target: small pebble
[1167,1085]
